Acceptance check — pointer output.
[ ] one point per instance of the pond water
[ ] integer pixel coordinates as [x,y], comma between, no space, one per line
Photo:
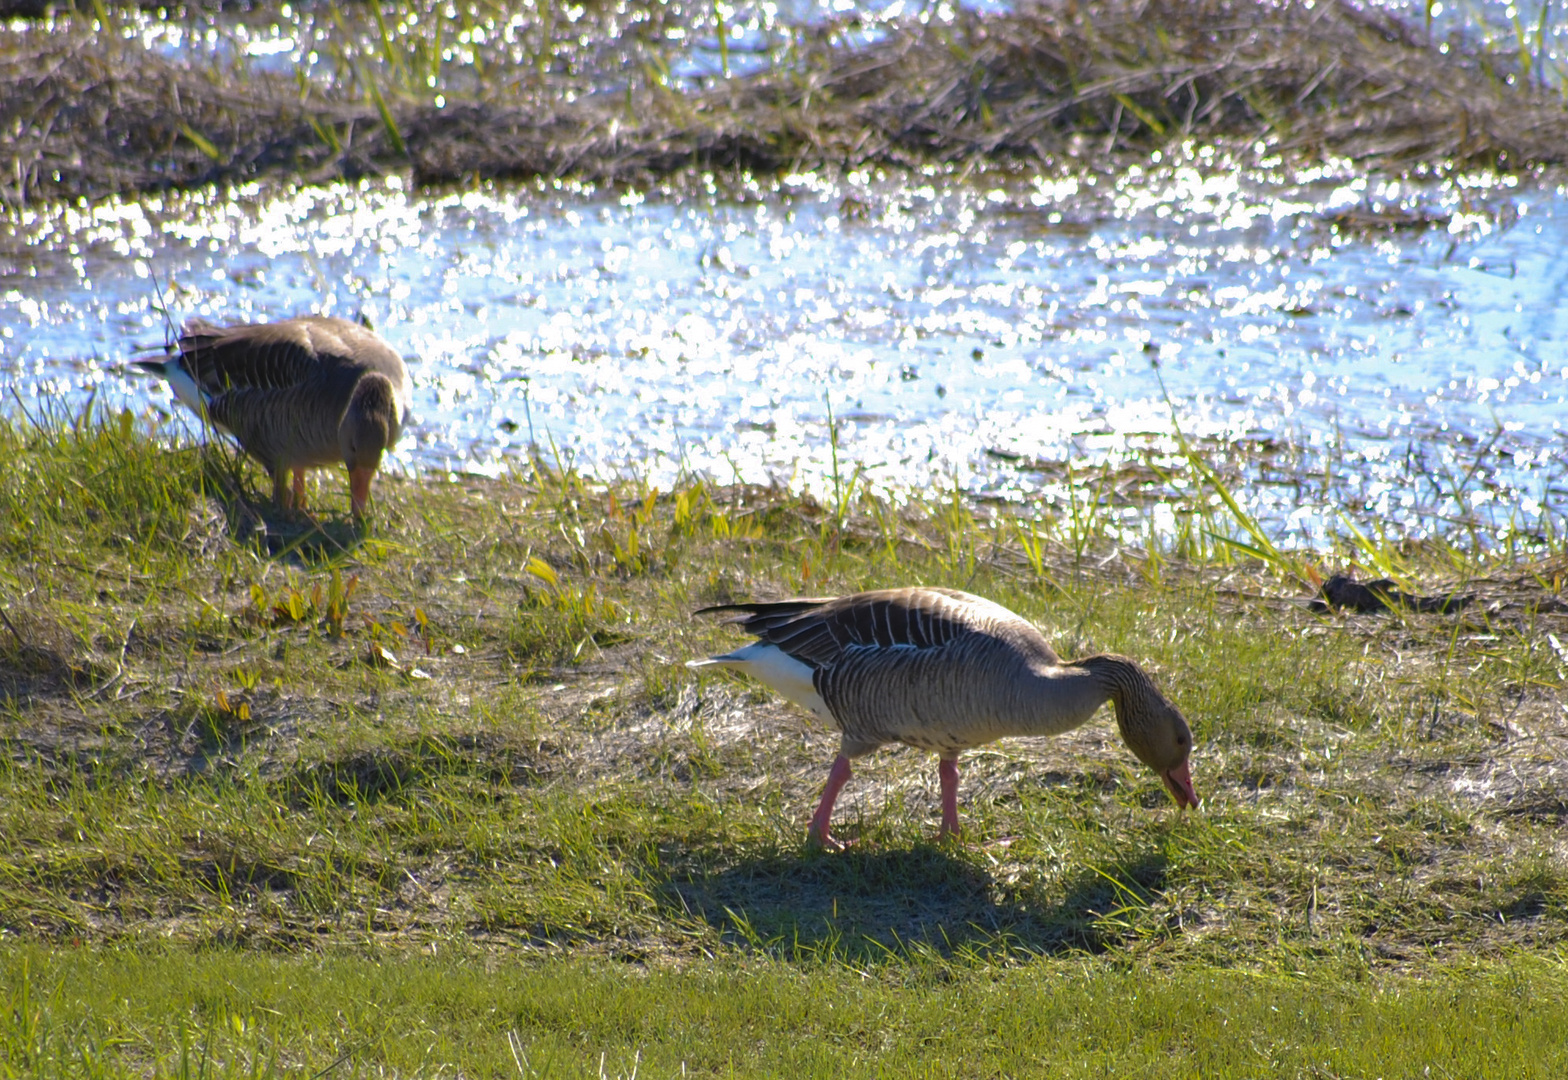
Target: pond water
[980,335]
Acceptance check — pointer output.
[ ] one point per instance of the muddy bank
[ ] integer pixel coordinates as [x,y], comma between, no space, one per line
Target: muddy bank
[89,114]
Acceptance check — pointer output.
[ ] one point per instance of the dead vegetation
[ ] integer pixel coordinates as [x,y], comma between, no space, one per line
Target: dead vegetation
[198,748]
[1053,85]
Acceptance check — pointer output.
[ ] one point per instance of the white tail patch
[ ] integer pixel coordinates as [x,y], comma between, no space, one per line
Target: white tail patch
[775,668]
[185,388]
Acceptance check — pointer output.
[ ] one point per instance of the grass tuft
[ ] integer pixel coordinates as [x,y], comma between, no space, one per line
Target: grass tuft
[459,756]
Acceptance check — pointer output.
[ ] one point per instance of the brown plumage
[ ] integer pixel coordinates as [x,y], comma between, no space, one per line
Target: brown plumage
[297,394]
[944,670]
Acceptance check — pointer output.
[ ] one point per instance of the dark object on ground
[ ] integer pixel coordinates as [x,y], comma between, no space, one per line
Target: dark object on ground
[1346,594]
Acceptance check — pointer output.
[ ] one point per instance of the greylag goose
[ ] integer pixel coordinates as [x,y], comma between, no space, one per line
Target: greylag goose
[297,394]
[944,671]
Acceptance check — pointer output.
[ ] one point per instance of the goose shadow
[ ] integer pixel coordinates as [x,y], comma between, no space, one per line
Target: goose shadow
[249,516]
[310,540]
[863,905]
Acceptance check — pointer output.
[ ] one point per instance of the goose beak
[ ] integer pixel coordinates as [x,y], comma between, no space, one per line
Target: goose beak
[1178,782]
[359,489]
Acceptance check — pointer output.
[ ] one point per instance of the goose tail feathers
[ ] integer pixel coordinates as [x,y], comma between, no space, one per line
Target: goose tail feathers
[773,667]
[173,372]
[766,607]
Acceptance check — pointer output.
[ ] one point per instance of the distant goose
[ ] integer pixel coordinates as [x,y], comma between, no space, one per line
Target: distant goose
[944,671]
[297,394]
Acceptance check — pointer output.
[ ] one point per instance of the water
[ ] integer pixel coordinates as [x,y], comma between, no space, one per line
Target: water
[978,335]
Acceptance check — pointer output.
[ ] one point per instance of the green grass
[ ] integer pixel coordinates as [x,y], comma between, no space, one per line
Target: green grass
[225,1013]
[275,794]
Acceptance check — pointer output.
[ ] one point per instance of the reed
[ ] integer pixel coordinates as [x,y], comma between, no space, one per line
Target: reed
[497,89]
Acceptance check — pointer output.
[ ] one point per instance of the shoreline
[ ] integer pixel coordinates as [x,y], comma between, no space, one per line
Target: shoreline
[1042,88]
[278,807]
[216,686]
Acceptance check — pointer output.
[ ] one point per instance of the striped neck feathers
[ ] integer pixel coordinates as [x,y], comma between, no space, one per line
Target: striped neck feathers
[1150,725]
[370,423]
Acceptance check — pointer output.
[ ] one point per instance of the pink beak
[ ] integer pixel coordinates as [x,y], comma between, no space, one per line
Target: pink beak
[359,489]
[1178,782]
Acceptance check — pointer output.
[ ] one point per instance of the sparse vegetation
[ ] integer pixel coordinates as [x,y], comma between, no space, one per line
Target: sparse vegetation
[438,796]
[249,754]
[105,100]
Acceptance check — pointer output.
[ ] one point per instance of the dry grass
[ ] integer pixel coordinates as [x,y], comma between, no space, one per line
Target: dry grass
[246,764]
[89,113]
[271,737]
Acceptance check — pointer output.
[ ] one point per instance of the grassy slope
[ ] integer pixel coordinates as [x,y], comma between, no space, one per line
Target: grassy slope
[215,781]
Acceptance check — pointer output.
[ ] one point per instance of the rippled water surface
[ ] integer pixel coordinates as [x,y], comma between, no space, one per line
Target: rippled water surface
[978,334]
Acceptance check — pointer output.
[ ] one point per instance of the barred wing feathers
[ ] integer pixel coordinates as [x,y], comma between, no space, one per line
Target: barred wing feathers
[822,632]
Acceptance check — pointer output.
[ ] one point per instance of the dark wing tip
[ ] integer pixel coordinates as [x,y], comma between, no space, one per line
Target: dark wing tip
[711,608]
[765,608]
[196,326]
[792,604]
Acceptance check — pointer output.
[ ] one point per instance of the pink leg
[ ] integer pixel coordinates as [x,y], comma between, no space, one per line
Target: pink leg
[947,770]
[359,490]
[837,777]
[299,489]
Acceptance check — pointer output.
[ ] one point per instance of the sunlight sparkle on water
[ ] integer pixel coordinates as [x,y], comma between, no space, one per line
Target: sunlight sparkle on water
[974,335]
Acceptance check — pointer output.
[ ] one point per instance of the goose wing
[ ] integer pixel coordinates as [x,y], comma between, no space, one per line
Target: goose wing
[819,632]
[312,349]
[253,356]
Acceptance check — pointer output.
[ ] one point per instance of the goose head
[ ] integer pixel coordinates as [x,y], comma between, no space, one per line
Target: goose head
[369,428]
[1162,740]
[1150,725]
